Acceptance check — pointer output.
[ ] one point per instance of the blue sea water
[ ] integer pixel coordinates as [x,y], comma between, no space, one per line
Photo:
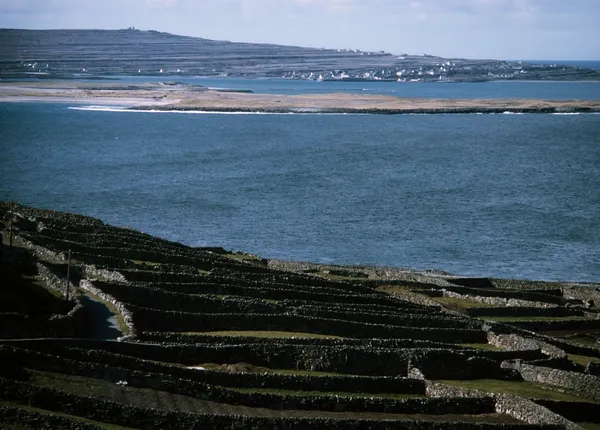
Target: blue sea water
[548,90]
[484,195]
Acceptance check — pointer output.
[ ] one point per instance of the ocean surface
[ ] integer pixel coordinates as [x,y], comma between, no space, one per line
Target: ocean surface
[514,196]
[548,90]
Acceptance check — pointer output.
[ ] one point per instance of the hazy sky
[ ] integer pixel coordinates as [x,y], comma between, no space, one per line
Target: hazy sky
[502,29]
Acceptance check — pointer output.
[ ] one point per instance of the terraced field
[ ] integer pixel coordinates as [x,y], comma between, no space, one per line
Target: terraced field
[208,338]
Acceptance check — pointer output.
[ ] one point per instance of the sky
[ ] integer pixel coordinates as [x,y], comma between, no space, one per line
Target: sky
[499,29]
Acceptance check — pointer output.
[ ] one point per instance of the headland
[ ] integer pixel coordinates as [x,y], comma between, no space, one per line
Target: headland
[101,325]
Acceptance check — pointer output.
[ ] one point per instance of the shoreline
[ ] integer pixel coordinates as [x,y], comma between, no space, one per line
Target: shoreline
[186,98]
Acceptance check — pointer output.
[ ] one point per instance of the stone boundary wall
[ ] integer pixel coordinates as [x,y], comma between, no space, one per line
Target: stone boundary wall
[515,406]
[92,272]
[530,412]
[445,364]
[338,359]
[515,342]
[368,307]
[567,346]
[72,324]
[39,251]
[124,415]
[515,295]
[14,325]
[364,361]
[574,411]
[390,343]
[53,281]
[32,419]
[497,301]
[438,389]
[157,298]
[155,320]
[19,391]
[584,294]
[518,311]
[98,364]
[584,383]
[267,291]
[592,324]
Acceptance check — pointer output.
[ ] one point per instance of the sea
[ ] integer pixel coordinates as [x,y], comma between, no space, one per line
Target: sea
[496,195]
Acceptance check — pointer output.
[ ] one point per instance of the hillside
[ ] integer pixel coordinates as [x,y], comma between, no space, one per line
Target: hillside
[146,333]
[93,53]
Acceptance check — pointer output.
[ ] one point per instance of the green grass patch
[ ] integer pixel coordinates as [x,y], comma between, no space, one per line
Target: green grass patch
[583,359]
[459,303]
[590,426]
[532,390]
[265,333]
[485,346]
[294,393]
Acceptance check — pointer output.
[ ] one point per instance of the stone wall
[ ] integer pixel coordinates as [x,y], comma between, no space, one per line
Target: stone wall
[45,397]
[114,367]
[530,412]
[518,297]
[476,296]
[583,383]
[519,311]
[445,364]
[515,342]
[155,320]
[574,411]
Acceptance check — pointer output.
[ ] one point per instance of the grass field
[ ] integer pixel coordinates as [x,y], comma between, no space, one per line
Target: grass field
[459,303]
[582,359]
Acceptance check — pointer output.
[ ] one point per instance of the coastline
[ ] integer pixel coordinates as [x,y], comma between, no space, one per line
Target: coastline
[185,98]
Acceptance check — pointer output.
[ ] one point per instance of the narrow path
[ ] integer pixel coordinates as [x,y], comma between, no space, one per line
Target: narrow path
[103,321]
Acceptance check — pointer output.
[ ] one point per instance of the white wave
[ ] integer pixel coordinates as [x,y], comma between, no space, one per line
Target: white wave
[511,113]
[102,108]
[207,112]
[566,113]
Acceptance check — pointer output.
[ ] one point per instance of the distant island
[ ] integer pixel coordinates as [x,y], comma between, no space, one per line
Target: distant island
[176,96]
[81,54]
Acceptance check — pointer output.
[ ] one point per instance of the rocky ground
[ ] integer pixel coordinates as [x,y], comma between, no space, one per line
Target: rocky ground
[210,338]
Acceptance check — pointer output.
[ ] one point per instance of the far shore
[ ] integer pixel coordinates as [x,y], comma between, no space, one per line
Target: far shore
[179,97]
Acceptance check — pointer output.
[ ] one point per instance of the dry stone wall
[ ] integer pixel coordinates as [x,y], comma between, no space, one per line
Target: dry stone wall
[583,383]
